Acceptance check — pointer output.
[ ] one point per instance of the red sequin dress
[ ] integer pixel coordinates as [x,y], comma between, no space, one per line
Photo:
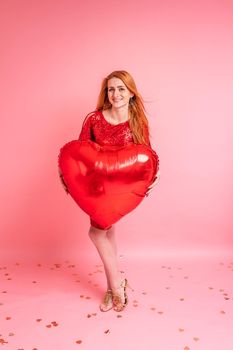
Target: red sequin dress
[96,128]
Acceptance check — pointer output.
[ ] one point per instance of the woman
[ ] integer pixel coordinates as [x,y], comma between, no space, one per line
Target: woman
[119,119]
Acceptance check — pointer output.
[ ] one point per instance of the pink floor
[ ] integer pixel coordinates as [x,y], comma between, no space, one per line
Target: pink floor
[177,304]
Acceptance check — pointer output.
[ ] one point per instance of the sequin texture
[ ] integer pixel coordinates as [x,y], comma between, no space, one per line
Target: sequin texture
[97,129]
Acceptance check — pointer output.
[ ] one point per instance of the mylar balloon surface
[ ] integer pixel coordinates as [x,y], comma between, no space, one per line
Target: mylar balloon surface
[107,182]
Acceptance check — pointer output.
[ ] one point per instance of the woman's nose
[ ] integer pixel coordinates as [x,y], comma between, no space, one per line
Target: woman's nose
[116,93]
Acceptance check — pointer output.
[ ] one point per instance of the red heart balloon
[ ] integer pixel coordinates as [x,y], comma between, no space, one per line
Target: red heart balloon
[107,182]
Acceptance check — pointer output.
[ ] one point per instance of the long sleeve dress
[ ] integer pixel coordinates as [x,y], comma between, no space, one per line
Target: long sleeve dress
[97,129]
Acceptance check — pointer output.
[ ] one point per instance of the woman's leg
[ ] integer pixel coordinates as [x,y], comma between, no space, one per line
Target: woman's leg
[105,242]
[112,238]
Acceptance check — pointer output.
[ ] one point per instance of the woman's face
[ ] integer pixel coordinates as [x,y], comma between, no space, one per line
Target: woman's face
[118,93]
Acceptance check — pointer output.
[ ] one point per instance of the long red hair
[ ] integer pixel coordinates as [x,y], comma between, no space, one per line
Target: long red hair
[137,118]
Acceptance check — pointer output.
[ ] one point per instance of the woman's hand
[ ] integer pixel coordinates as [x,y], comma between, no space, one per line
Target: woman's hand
[62,181]
[157,177]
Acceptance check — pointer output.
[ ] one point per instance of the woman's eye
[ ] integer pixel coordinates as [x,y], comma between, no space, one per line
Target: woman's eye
[122,89]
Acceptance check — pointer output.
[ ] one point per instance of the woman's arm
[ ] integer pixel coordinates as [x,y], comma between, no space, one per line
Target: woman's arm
[86,131]
[156,180]
[62,181]
[157,177]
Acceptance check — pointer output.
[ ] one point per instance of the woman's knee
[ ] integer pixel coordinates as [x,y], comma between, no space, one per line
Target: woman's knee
[96,233]
[111,231]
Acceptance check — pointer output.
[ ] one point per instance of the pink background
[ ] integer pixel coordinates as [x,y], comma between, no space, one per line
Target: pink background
[176,247]
[54,57]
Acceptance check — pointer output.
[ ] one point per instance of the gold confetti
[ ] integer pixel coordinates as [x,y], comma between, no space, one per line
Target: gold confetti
[153,308]
[222,312]
[88,315]
[160,312]
[8,318]
[78,341]
[34,282]
[48,326]
[144,293]
[38,319]
[118,316]
[181,329]
[195,338]
[11,334]
[81,296]
[186,277]
[107,331]
[181,299]
[94,314]
[186,348]
[211,288]
[54,323]
[2,341]
[88,298]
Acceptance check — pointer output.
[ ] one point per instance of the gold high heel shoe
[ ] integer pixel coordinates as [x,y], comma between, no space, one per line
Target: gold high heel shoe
[107,303]
[118,303]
